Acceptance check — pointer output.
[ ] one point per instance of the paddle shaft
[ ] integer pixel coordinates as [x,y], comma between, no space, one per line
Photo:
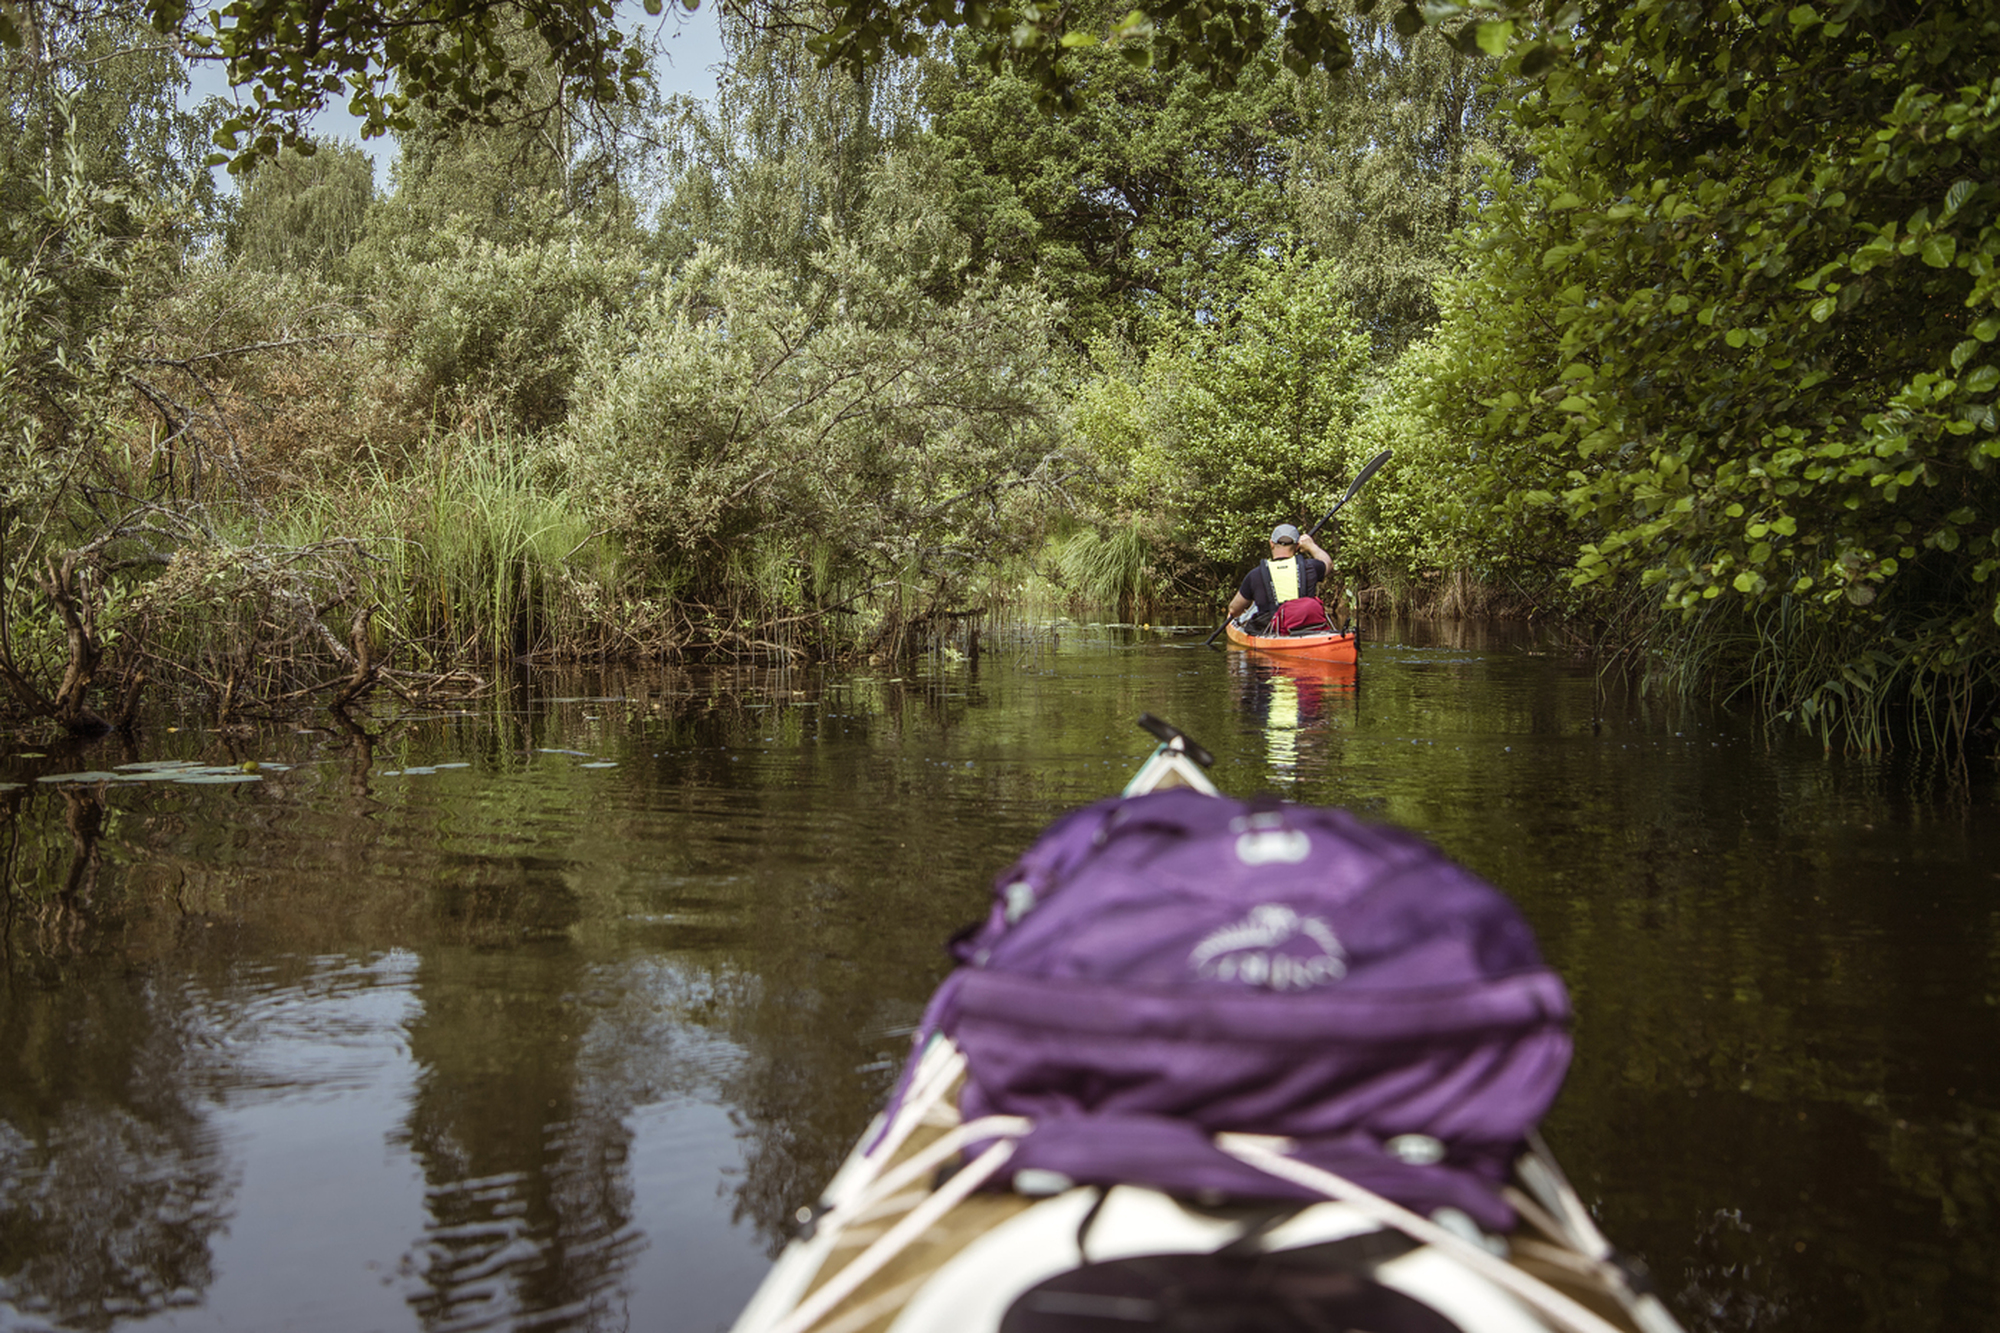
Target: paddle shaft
[1373,464]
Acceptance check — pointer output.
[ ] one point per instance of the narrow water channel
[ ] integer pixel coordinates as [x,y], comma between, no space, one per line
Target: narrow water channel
[548,1011]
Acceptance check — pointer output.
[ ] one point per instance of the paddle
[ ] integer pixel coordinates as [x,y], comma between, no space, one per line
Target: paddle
[1373,464]
[1360,478]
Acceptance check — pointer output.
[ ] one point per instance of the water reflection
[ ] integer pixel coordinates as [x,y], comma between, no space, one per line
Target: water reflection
[1291,699]
[554,1008]
[111,1183]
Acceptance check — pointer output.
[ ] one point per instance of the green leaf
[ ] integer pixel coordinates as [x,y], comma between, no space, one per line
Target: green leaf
[1494,37]
[1537,61]
[1938,250]
[1982,379]
[1822,309]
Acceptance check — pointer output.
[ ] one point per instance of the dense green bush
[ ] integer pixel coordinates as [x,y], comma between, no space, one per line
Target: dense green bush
[779,452]
[1224,428]
[1732,344]
[496,332]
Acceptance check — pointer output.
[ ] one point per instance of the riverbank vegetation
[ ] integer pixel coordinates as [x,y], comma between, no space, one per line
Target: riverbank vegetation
[1683,336]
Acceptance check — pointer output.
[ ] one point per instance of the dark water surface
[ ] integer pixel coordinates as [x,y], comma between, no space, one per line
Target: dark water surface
[547,1013]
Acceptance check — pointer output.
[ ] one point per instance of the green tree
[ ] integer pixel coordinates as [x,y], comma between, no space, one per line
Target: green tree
[1156,199]
[1218,41]
[782,164]
[1394,167]
[303,213]
[1733,344]
[1223,430]
[390,59]
[554,158]
[101,91]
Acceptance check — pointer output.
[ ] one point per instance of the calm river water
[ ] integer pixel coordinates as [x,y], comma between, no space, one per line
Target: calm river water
[546,1013]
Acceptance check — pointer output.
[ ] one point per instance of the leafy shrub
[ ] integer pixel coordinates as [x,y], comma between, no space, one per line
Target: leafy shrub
[1228,428]
[880,442]
[1733,349]
[496,332]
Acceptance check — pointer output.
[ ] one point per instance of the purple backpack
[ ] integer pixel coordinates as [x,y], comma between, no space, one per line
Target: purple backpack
[1161,968]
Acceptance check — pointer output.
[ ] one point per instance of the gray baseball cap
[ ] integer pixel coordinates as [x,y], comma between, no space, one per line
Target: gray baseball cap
[1284,532]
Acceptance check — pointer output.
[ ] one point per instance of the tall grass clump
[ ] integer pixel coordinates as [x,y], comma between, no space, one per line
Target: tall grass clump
[1106,569]
[1859,691]
[484,555]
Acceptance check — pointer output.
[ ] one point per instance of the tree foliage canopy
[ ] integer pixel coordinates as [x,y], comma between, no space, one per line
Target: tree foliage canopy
[1224,428]
[1734,342]
[466,60]
[1158,197]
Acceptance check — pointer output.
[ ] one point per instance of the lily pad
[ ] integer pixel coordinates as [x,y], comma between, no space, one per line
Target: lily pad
[78,777]
[600,763]
[217,779]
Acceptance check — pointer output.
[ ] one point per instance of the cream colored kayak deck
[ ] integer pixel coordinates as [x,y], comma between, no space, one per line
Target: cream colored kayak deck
[961,1270]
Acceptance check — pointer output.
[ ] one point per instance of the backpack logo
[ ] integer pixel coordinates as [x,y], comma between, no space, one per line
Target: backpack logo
[1248,951]
[1264,840]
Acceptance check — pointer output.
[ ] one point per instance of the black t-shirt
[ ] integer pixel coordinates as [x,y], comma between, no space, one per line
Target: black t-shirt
[1257,587]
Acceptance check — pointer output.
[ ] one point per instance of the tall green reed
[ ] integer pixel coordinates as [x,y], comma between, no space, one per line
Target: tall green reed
[1106,569]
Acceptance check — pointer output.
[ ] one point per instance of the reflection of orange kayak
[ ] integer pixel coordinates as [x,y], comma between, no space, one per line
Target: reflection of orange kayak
[1330,647]
[1320,671]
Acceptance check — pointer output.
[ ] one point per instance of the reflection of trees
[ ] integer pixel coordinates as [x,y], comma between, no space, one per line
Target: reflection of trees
[110,1186]
[532,1068]
[842,894]
[847,956]
[530,1207]
[1775,1097]
[56,917]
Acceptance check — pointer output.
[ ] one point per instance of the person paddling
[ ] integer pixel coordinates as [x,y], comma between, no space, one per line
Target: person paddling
[1278,593]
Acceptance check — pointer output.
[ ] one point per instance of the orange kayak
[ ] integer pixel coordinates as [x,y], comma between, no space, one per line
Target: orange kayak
[1329,647]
